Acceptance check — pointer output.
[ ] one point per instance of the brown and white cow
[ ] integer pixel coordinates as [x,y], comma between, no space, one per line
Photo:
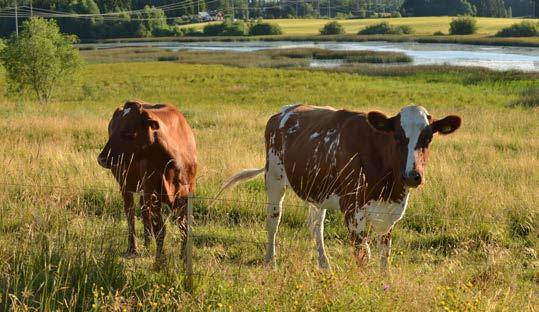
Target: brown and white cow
[362,164]
[151,148]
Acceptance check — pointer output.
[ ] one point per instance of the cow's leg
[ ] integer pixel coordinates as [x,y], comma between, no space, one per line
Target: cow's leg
[129,209]
[159,230]
[146,221]
[385,247]
[358,231]
[180,217]
[316,225]
[275,188]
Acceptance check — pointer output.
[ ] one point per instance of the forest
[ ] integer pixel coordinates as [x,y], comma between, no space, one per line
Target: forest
[97,19]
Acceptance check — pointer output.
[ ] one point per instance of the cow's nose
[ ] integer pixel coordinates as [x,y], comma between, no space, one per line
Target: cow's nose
[413,178]
[102,161]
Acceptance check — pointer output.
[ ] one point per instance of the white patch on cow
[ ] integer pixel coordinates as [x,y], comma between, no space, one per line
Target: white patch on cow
[272,138]
[382,215]
[294,128]
[314,135]
[286,112]
[332,202]
[413,120]
[276,167]
[126,111]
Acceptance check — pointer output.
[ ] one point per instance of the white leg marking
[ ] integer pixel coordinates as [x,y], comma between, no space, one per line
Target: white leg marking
[275,188]
[357,226]
[316,225]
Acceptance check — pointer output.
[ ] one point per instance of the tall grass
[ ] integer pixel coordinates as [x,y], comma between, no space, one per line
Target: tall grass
[467,241]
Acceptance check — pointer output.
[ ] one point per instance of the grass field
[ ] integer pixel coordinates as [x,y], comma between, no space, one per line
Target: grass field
[468,240]
[422,25]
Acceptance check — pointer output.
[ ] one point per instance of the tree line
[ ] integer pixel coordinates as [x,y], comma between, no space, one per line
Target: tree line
[144,18]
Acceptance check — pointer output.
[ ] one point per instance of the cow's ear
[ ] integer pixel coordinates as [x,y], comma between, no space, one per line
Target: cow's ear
[380,122]
[446,125]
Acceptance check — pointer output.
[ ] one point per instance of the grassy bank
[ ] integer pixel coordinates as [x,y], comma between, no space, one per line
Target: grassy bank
[468,240]
[290,58]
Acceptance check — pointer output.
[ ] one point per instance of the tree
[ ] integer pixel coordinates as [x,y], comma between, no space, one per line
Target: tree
[40,58]
[437,8]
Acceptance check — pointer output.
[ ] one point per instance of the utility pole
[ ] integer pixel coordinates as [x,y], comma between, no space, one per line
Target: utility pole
[329,8]
[297,4]
[16,19]
[198,6]
[31,9]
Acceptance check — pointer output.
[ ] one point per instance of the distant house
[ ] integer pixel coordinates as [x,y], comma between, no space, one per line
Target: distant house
[218,16]
[205,16]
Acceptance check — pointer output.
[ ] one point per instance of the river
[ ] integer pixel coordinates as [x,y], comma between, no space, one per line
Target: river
[493,57]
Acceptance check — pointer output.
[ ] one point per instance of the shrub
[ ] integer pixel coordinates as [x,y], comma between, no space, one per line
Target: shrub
[523,29]
[396,14]
[191,31]
[262,28]
[168,58]
[225,29]
[385,28]
[332,28]
[40,58]
[438,33]
[163,32]
[463,25]
[342,16]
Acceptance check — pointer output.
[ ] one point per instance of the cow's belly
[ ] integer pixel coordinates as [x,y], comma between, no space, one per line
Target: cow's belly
[382,215]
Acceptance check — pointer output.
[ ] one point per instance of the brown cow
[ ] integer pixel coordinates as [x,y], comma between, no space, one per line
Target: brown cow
[362,164]
[151,148]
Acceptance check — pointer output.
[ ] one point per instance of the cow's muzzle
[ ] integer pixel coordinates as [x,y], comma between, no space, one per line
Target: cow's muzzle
[412,178]
[104,162]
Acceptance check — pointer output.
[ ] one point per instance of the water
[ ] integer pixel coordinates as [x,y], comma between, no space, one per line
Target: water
[493,57]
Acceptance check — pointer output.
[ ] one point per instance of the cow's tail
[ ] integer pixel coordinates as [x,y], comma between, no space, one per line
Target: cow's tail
[244,175]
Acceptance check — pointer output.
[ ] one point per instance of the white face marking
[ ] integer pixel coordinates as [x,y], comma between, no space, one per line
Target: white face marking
[126,111]
[382,215]
[413,120]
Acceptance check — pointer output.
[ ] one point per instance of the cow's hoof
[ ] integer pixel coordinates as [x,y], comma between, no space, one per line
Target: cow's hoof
[160,262]
[362,258]
[131,253]
[324,266]
[270,264]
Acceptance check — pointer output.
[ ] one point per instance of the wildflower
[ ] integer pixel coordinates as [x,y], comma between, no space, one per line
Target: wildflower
[386,287]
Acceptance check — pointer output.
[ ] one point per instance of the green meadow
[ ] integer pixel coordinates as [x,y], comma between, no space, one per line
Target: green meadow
[468,241]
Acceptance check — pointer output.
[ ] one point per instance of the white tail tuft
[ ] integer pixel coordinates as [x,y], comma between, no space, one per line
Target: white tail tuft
[245,174]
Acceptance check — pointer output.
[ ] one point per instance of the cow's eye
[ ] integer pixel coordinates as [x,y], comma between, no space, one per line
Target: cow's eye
[129,135]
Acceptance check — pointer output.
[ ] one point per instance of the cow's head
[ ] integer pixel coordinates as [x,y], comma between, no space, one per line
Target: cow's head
[412,130]
[132,131]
